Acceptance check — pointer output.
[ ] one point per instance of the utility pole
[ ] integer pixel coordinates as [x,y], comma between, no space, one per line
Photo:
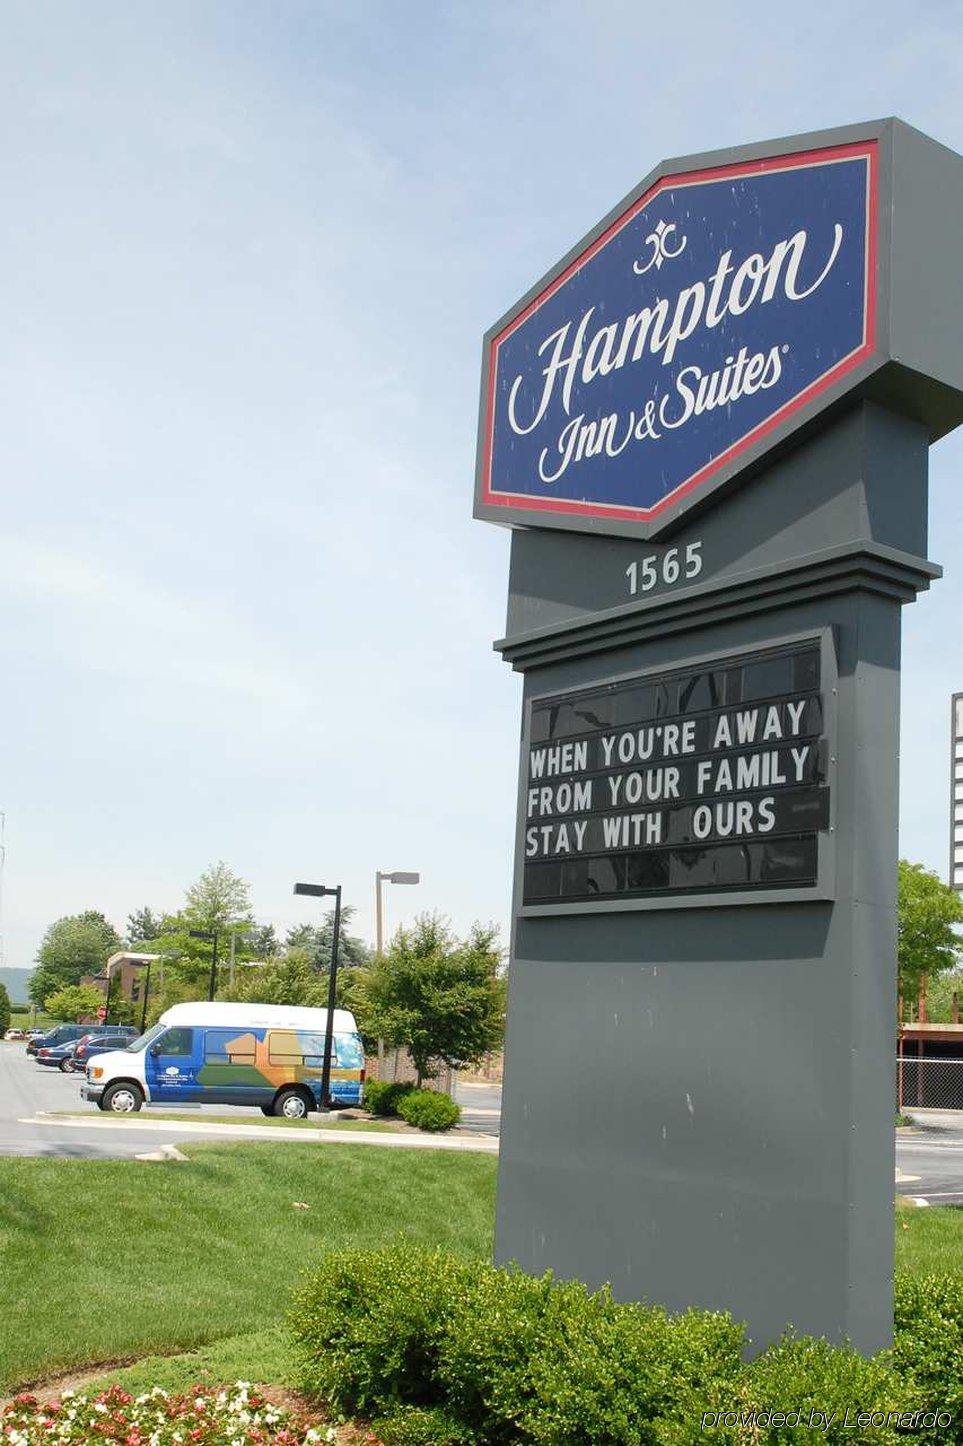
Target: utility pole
[389,876]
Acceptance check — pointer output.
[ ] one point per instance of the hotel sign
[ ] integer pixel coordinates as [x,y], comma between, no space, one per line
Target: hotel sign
[717,310]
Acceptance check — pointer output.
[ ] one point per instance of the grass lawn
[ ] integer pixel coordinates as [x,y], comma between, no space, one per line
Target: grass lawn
[110,1259]
[21,1019]
[930,1239]
[191,1265]
[262,1356]
[926,1240]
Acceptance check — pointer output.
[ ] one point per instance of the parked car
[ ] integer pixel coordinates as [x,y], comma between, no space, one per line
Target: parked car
[57,1034]
[269,1055]
[57,1056]
[91,1044]
[14,1034]
[68,1033]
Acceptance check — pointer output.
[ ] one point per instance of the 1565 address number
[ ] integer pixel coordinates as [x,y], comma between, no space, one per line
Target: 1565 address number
[673,566]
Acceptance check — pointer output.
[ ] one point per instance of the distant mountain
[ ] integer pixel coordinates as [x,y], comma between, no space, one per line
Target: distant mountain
[16,981]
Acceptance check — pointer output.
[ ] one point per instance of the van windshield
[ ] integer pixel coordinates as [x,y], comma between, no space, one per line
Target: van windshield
[136,1045]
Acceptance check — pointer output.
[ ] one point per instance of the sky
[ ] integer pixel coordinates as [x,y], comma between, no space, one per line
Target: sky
[248,255]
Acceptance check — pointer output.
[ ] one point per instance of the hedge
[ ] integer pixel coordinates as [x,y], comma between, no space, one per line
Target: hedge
[441,1351]
[427,1109]
[381,1097]
[928,1346]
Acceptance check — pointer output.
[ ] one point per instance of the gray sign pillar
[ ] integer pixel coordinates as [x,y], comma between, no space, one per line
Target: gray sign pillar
[699,1091]
[707,427]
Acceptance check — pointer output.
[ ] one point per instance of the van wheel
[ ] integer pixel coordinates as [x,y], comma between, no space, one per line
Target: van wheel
[291,1105]
[122,1099]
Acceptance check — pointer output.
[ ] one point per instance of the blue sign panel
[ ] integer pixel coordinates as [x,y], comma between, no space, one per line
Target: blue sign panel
[717,305]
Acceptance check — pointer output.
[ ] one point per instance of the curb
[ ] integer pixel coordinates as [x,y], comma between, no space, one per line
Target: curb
[485,1144]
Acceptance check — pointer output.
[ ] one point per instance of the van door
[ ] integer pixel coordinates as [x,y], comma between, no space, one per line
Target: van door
[230,1074]
[172,1065]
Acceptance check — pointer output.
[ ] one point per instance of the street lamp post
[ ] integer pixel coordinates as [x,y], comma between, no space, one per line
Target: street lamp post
[211,936]
[235,934]
[390,876]
[319,891]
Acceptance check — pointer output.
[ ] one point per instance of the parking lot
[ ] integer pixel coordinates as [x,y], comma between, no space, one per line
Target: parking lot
[28,1089]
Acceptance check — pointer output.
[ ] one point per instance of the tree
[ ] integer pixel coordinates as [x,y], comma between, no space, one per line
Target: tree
[4,1010]
[441,998]
[288,979]
[142,924]
[939,996]
[174,990]
[316,941]
[122,1010]
[927,942]
[74,1002]
[260,942]
[217,900]
[75,945]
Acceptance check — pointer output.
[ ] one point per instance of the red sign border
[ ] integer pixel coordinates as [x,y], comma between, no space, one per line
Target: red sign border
[795,160]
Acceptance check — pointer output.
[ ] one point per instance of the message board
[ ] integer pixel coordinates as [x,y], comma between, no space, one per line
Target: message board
[713,310]
[694,781]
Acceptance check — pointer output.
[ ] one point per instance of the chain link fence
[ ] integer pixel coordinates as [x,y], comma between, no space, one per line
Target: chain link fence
[928,1084]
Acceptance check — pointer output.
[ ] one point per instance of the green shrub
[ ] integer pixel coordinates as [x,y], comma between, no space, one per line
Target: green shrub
[381,1097]
[499,1356]
[429,1110]
[442,1351]
[928,1347]
[828,1386]
[423,1426]
[367,1326]
[535,1360]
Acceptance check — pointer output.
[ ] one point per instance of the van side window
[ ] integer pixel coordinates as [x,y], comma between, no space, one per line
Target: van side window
[177,1041]
[293,1049]
[228,1046]
[350,1051]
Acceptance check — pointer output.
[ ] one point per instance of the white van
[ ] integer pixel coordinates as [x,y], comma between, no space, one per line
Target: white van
[269,1055]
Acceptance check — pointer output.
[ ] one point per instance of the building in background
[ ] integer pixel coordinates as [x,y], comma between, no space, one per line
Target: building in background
[125,971]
